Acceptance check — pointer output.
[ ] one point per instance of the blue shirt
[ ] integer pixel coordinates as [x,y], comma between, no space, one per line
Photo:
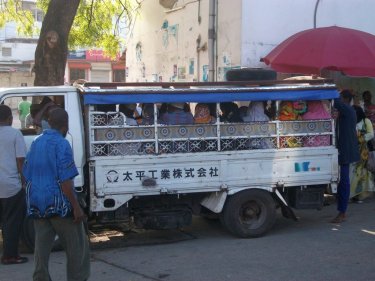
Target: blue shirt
[48,164]
[177,118]
[346,133]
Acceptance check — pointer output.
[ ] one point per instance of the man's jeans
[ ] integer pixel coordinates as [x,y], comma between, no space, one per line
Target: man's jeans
[343,190]
[74,240]
[12,210]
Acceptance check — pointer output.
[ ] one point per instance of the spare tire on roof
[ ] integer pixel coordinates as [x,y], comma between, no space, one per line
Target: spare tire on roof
[250,74]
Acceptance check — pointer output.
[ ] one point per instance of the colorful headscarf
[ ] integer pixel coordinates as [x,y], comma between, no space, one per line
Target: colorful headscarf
[287,112]
[299,107]
[202,114]
[316,110]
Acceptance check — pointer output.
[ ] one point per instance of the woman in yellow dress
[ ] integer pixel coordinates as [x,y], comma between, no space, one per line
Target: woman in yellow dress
[361,179]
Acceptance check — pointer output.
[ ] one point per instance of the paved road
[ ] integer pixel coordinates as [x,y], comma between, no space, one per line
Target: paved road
[311,249]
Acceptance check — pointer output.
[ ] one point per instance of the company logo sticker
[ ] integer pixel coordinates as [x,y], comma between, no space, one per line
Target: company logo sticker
[112,176]
[305,167]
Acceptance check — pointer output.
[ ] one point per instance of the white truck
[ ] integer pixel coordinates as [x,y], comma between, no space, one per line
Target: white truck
[158,176]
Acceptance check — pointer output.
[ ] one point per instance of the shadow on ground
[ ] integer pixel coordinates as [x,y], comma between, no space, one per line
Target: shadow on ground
[104,238]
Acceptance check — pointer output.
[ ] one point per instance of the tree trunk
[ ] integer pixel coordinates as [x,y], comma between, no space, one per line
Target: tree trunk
[52,49]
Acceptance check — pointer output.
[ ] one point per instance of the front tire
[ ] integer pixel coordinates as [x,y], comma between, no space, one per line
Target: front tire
[249,213]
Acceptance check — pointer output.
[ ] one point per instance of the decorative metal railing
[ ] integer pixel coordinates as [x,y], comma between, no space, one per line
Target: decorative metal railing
[110,136]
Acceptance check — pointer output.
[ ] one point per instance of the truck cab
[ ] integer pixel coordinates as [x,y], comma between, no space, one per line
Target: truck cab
[65,97]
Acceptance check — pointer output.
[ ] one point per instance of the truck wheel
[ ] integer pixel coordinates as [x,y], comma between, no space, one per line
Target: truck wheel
[28,235]
[250,213]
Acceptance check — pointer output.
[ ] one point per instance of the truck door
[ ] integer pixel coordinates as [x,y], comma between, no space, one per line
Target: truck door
[40,101]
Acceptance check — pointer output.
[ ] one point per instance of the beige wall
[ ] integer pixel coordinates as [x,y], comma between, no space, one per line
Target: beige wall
[229,38]
[15,79]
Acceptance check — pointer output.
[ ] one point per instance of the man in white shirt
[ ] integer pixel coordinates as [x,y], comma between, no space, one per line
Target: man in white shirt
[12,192]
[128,110]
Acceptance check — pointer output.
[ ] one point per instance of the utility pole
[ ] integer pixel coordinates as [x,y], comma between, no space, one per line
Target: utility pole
[211,40]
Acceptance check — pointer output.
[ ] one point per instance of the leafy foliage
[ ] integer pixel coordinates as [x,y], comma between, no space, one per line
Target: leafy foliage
[98,23]
[13,11]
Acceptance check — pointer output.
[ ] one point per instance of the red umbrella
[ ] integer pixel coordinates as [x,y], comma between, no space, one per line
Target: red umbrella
[334,48]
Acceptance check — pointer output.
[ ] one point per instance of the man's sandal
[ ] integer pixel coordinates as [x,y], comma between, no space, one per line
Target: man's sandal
[339,219]
[13,260]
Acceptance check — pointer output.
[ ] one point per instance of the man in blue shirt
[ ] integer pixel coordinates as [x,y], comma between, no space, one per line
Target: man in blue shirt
[177,114]
[49,170]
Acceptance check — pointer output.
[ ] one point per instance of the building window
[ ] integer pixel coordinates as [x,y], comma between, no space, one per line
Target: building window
[39,15]
[27,5]
[7,52]
[77,73]
[138,51]
[31,6]
[119,75]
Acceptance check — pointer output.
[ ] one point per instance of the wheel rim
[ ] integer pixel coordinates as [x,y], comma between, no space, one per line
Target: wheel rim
[252,214]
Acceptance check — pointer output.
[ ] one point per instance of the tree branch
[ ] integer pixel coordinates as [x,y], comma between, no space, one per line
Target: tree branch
[91,13]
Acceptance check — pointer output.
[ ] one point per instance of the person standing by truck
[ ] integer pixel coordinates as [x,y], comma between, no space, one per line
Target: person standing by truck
[49,170]
[12,194]
[369,107]
[362,180]
[348,149]
[23,111]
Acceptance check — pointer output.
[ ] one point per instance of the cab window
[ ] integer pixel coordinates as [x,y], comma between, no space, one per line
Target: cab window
[30,113]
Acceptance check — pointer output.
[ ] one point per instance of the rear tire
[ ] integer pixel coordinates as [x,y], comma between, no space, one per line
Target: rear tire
[249,213]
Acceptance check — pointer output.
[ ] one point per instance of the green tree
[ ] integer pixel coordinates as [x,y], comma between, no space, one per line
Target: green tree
[69,24]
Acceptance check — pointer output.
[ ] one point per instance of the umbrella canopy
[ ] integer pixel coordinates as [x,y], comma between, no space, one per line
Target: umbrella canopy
[334,48]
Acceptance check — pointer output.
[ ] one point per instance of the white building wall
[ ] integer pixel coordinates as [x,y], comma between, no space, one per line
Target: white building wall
[13,69]
[174,53]
[163,43]
[229,36]
[247,30]
[8,31]
[20,52]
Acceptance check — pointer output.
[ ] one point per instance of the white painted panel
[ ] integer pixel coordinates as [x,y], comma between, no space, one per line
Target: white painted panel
[262,168]
[100,76]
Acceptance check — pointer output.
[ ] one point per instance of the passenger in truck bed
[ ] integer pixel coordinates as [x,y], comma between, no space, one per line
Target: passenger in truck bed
[106,107]
[104,119]
[213,109]
[243,111]
[317,110]
[255,112]
[202,114]
[177,114]
[47,105]
[292,110]
[270,109]
[230,112]
[147,117]
[288,113]
[128,111]
[34,108]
